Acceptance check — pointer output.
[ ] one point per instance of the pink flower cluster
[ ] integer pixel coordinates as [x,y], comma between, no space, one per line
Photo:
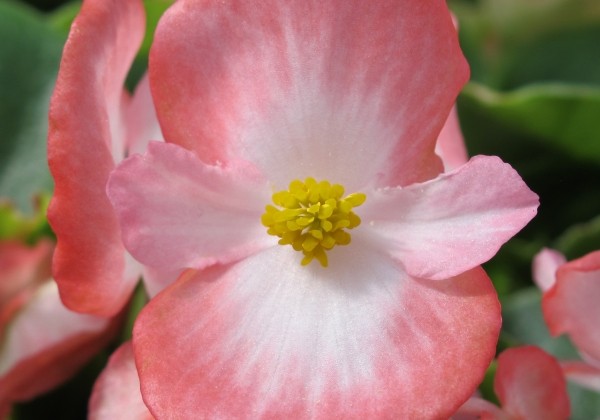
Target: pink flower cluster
[362,294]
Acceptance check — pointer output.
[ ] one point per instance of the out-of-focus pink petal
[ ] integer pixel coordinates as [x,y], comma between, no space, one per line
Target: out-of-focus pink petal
[142,125]
[46,343]
[289,87]
[116,394]
[178,212]
[572,305]
[453,223]
[450,144]
[582,373]
[545,264]
[267,337]
[479,409]
[530,385]
[22,270]
[86,137]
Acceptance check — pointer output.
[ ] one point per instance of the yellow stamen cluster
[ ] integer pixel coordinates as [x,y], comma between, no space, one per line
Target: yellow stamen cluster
[312,217]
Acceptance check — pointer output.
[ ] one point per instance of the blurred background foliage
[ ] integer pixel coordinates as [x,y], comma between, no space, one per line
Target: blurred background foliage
[533,99]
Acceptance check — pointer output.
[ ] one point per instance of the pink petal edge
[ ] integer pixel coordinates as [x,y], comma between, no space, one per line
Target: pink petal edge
[177,212]
[450,224]
[244,81]
[268,337]
[86,137]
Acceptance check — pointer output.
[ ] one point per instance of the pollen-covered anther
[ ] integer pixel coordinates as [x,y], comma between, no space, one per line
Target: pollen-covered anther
[312,217]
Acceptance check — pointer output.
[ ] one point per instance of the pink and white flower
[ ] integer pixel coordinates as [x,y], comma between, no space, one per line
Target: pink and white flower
[570,305]
[529,384]
[95,124]
[253,96]
[42,343]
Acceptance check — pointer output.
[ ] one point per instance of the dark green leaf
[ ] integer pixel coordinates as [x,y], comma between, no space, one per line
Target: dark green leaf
[560,116]
[29,58]
[580,239]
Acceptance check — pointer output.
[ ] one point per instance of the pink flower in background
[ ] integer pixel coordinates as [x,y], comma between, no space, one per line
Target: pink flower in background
[529,384]
[116,394]
[94,124]
[270,95]
[42,343]
[571,306]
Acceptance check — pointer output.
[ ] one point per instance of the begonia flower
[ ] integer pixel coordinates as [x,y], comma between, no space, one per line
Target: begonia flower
[95,124]
[529,384]
[342,102]
[116,394]
[42,343]
[571,292]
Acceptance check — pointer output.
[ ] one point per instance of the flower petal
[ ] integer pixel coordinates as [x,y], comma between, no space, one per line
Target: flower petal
[450,144]
[267,337]
[530,385]
[177,212]
[446,226]
[571,306]
[142,125]
[583,374]
[352,91]
[545,264]
[22,270]
[45,344]
[479,409]
[116,394]
[156,279]
[86,137]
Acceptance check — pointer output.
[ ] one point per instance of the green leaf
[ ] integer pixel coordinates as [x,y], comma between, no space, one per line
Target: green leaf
[580,239]
[511,43]
[16,226]
[62,18]
[560,116]
[585,404]
[154,10]
[28,66]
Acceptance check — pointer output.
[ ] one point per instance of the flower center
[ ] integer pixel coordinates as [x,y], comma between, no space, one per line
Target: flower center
[312,217]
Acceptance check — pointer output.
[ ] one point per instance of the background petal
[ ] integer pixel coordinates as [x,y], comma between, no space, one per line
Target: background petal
[545,264]
[446,226]
[477,408]
[22,270]
[352,91]
[177,212]
[530,384]
[268,337]
[45,344]
[571,306]
[86,137]
[116,394]
[583,374]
